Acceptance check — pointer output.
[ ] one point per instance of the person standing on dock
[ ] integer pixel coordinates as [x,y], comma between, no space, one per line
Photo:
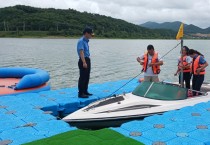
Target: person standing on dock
[198,70]
[186,67]
[151,62]
[84,63]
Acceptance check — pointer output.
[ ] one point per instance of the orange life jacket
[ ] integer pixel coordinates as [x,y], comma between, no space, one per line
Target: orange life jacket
[155,68]
[185,63]
[196,65]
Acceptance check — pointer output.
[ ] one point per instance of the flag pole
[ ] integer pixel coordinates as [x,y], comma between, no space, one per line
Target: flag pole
[180,35]
[181,73]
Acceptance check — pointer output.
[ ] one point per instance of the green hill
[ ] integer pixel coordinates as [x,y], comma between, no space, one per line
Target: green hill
[23,21]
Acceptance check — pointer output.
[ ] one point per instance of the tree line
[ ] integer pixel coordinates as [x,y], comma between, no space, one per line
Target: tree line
[21,19]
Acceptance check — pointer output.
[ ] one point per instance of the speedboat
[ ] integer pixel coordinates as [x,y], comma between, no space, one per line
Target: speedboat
[147,99]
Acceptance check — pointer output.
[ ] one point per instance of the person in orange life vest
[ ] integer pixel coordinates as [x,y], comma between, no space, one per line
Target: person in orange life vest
[151,62]
[198,70]
[186,67]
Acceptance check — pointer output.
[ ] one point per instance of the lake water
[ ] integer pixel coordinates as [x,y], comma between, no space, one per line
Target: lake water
[111,59]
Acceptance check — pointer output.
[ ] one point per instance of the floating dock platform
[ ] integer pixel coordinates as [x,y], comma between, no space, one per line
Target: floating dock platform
[29,117]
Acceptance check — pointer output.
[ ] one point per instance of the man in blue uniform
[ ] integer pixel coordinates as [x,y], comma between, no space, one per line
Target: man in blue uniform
[84,63]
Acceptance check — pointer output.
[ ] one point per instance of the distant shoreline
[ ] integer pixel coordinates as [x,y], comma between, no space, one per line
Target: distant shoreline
[45,35]
[63,37]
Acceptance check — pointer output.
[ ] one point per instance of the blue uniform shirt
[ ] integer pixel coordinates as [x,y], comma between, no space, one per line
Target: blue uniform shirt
[82,44]
[201,60]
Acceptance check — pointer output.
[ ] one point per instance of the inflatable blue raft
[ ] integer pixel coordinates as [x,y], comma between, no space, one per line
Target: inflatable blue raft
[15,80]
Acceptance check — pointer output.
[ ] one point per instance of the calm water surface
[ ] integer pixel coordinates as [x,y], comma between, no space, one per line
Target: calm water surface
[111,59]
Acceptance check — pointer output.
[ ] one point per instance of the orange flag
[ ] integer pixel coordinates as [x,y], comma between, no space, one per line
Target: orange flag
[181,32]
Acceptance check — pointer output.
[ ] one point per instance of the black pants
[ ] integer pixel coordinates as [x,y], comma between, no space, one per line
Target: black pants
[84,76]
[197,83]
[186,79]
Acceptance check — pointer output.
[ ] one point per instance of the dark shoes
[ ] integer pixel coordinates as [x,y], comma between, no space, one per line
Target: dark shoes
[84,95]
[88,94]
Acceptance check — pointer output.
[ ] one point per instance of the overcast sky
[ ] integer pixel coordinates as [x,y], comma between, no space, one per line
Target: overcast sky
[195,12]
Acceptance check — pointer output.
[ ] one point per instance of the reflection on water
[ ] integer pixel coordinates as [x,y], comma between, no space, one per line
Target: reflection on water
[111,59]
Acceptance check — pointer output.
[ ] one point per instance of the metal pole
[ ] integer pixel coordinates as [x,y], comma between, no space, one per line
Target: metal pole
[181,73]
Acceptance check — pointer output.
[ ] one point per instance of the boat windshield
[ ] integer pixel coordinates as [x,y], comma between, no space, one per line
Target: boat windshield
[160,91]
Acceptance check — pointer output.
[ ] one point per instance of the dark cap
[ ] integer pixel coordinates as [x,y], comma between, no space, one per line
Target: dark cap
[88,30]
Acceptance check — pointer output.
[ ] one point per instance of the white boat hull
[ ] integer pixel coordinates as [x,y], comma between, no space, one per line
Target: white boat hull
[126,107]
[147,99]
